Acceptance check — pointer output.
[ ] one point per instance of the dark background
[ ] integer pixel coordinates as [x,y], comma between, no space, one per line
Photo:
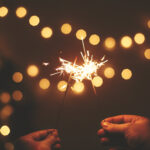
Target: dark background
[22,45]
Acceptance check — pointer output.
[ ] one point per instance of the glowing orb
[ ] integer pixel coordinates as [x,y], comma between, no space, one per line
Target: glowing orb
[66,28]
[97,81]
[147,53]
[46,32]
[94,39]
[139,38]
[81,34]
[21,12]
[3,11]
[62,86]
[109,72]
[5,97]
[17,95]
[9,146]
[5,130]
[110,43]
[78,87]
[148,23]
[34,20]
[126,74]
[44,84]
[126,42]
[32,70]
[17,77]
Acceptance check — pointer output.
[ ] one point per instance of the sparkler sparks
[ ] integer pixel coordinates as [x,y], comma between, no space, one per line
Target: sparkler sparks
[87,70]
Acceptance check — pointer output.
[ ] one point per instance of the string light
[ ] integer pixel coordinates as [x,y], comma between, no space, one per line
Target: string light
[17,95]
[34,20]
[97,81]
[9,146]
[17,77]
[46,32]
[5,97]
[44,84]
[110,43]
[126,42]
[78,87]
[32,70]
[66,28]
[109,72]
[21,12]
[3,11]
[62,86]
[81,34]
[94,39]
[5,130]
[139,38]
[148,24]
[147,53]
[126,74]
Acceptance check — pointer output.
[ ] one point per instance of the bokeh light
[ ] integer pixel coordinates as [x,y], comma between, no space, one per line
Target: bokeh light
[110,43]
[17,77]
[6,112]
[21,12]
[44,84]
[109,72]
[139,38]
[3,11]
[34,20]
[97,81]
[148,23]
[66,28]
[5,97]
[17,95]
[126,74]
[94,39]
[32,70]
[78,87]
[126,42]
[9,146]
[147,53]
[5,130]
[81,34]
[46,32]
[62,86]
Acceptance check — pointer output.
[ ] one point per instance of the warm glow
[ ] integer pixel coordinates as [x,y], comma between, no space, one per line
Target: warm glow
[34,20]
[17,95]
[147,53]
[126,42]
[46,32]
[17,77]
[44,84]
[5,130]
[110,43]
[109,72]
[78,87]
[148,23]
[66,28]
[94,39]
[97,81]
[6,112]
[139,38]
[126,74]
[32,70]
[5,97]
[62,86]
[3,11]
[9,146]
[21,12]
[81,34]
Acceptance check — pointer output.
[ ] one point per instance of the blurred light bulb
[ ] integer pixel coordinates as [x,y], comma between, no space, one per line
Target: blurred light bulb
[46,32]
[110,43]
[3,11]
[17,77]
[62,86]
[32,70]
[94,39]
[78,87]
[34,20]
[44,84]
[81,34]
[97,81]
[21,12]
[126,42]
[5,130]
[109,72]
[66,28]
[126,74]
[139,38]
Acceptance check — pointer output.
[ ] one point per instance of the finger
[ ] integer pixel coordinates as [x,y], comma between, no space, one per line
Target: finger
[120,119]
[105,141]
[40,135]
[115,128]
[101,132]
[57,146]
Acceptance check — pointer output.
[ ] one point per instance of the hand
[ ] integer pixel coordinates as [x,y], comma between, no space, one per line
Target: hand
[127,131]
[40,140]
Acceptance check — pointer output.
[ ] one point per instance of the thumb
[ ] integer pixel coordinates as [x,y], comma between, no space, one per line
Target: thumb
[115,128]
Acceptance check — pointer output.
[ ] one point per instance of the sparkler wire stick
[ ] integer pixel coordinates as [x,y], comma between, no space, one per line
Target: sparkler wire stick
[63,100]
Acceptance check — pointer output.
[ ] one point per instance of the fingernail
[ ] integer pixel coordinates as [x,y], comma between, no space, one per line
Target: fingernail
[105,124]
